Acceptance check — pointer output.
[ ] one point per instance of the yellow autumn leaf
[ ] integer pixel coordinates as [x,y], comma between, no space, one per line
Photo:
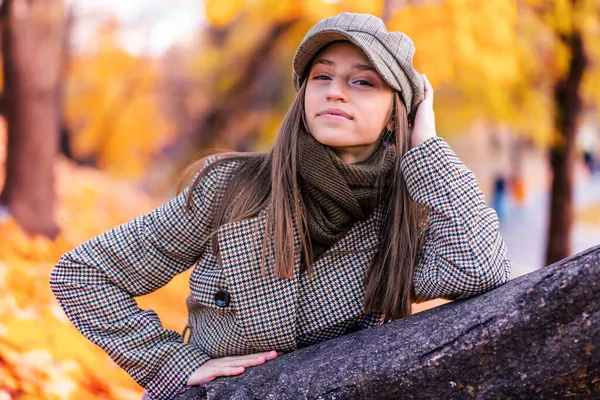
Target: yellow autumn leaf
[367,7]
[273,10]
[315,10]
[221,12]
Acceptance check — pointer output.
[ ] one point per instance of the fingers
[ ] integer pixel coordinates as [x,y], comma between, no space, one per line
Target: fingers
[228,366]
[267,355]
[230,371]
[214,372]
[249,360]
[428,88]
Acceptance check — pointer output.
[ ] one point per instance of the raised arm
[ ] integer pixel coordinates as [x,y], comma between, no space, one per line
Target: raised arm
[95,284]
[463,253]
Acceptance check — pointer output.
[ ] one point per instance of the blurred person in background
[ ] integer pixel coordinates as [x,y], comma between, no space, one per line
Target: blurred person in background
[502,164]
[358,200]
[588,141]
[500,197]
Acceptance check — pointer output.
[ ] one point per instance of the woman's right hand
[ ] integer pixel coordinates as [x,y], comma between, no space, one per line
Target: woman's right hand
[228,366]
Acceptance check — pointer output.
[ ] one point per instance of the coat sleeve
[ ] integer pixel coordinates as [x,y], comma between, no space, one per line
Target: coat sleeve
[96,282]
[463,253]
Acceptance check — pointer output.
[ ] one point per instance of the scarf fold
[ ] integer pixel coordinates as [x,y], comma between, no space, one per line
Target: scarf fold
[336,194]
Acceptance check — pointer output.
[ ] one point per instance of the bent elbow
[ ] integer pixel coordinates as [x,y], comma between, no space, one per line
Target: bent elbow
[494,274]
[57,278]
[64,274]
[494,267]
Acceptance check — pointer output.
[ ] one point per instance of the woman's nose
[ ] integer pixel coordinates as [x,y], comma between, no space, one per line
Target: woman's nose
[336,90]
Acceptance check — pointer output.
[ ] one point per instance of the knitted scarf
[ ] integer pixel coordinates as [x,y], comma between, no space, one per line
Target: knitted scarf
[336,194]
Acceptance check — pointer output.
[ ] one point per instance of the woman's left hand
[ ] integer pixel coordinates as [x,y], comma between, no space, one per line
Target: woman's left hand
[424,123]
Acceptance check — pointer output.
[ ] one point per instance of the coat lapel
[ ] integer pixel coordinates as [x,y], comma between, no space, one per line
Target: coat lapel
[265,305]
[335,292]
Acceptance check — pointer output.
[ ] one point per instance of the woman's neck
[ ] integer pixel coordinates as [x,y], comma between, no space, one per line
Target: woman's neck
[355,154]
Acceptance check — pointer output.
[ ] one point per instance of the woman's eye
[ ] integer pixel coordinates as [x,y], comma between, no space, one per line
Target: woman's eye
[321,77]
[362,82]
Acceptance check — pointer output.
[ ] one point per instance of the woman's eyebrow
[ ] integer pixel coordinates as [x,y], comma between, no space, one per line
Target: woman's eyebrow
[325,62]
[359,66]
[363,67]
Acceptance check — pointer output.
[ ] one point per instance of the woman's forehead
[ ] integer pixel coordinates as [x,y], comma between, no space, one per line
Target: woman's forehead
[342,51]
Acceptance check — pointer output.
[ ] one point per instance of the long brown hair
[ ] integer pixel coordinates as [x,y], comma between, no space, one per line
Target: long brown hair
[269,180]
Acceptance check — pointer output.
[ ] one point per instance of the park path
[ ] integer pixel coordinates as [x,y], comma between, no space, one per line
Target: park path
[524,230]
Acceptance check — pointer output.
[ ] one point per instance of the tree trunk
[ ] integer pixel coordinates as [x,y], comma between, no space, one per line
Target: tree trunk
[31,46]
[245,95]
[536,337]
[65,147]
[562,155]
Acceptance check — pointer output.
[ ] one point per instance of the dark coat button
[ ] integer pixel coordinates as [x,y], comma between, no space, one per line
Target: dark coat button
[222,298]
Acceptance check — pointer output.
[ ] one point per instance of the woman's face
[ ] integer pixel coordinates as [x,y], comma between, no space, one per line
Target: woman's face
[347,103]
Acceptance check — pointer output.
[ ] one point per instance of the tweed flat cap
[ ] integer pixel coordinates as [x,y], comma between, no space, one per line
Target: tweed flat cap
[391,53]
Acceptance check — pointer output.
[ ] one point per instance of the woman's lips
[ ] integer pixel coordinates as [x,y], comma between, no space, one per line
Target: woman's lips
[334,114]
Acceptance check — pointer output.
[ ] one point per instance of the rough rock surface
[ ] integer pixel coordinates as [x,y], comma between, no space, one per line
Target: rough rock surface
[536,337]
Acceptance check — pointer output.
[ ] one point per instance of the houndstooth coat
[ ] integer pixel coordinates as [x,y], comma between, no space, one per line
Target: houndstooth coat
[233,309]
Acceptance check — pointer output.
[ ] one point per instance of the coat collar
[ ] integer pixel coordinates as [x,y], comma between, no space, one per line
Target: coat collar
[266,305]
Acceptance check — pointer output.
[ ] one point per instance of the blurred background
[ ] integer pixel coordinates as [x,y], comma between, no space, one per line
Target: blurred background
[103,104]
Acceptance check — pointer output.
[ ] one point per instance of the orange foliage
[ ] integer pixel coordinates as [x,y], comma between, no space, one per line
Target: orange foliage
[222,12]
[42,355]
[112,108]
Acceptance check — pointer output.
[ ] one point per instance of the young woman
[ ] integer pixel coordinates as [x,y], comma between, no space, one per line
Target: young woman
[357,211]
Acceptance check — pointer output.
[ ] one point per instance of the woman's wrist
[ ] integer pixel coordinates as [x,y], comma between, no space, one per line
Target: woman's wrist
[418,141]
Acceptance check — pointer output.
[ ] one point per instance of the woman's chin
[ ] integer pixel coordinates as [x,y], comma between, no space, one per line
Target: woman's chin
[334,140]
